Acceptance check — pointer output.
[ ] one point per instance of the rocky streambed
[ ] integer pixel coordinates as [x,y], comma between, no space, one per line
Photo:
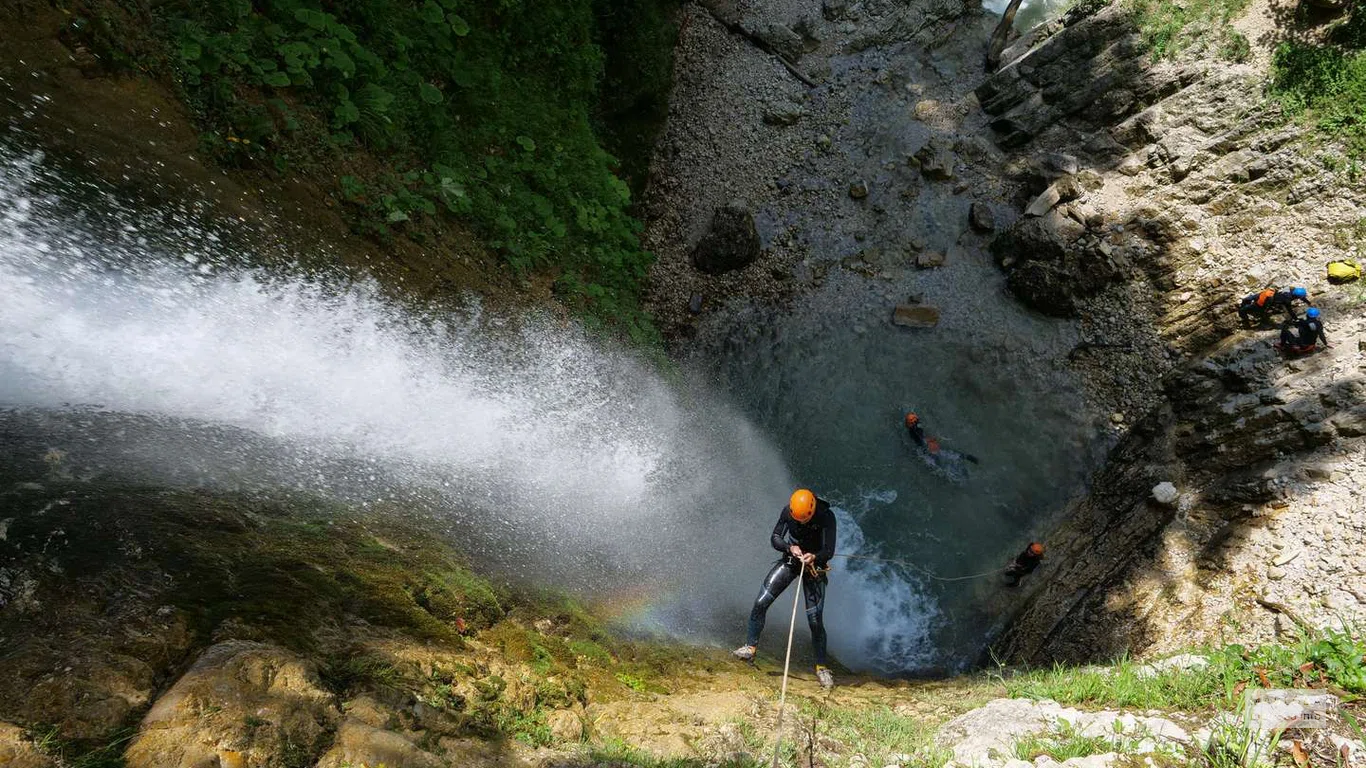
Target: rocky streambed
[1135,199]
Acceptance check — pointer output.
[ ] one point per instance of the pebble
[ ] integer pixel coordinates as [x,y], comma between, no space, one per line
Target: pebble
[1275,574]
[1286,556]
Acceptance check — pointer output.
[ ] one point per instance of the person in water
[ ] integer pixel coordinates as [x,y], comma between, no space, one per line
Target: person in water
[805,535]
[1024,564]
[931,445]
[1260,306]
[916,431]
[1304,334]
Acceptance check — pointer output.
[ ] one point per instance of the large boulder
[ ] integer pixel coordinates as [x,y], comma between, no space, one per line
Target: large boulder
[1050,263]
[241,703]
[732,242]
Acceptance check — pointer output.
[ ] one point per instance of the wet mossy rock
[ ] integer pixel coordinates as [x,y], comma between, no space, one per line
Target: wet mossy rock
[732,242]
[249,701]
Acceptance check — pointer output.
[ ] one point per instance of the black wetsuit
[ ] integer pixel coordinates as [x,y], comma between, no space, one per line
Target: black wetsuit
[817,537]
[1025,563]
[918,435]
[1302,334]
[1283,301]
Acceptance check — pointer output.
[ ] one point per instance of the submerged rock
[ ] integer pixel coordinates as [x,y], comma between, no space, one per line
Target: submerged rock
[915,316]
[930,260]
[981,217]
[936,159]
[731,244]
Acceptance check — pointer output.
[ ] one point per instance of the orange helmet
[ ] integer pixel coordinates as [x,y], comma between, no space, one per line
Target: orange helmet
[1035,548]
[802,504]
[912,419]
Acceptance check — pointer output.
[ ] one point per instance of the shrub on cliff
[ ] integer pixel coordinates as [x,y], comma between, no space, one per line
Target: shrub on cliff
[495,113]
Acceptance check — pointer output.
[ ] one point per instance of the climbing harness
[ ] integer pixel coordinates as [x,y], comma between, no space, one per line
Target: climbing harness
[923,571]
[787,661]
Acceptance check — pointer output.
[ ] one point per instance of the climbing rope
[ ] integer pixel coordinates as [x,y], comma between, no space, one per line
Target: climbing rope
[787,661]
[923,571]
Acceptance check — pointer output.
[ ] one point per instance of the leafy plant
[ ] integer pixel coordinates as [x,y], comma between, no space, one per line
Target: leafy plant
[496,113]
[631,681]
[1324,84]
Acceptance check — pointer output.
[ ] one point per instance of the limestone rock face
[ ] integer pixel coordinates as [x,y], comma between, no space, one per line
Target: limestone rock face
[732,242]
[986,736]
[241,703]
[361,744]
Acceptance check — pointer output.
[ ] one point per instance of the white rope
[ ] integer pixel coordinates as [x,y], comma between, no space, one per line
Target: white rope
[923,571]
[787,661]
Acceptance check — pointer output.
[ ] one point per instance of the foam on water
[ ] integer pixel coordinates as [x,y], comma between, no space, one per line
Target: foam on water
[602,475]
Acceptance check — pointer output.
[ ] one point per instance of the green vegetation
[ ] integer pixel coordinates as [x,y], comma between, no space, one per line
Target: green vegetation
[294,570]
[618,753]
[1324,84]
[73,754]
[1328,658]
[498,115]
[1065,743]
[1172,26]
[878,733]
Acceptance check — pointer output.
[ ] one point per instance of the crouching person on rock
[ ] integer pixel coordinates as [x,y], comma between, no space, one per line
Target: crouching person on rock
[1303,335]
[805,535]
[1259,306]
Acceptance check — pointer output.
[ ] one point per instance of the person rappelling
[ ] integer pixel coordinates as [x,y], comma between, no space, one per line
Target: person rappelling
[805,535]
[1261,305]
[1302,335]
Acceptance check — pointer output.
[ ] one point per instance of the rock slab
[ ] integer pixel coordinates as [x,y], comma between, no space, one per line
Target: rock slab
[915,316]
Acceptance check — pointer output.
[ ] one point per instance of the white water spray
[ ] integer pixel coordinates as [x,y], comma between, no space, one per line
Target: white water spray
[593,470]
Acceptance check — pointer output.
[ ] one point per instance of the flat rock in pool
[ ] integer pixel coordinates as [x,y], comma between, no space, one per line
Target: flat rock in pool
[915,316]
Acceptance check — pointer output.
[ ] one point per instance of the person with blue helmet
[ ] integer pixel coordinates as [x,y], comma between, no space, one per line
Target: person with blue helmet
[1262,304]
[1303,334]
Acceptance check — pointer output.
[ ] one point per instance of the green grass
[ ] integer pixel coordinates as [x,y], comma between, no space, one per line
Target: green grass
[877,733]
[1329,657]
[1323,84]
[1172,26]
[1236,743]
[107,753]
[1064,743]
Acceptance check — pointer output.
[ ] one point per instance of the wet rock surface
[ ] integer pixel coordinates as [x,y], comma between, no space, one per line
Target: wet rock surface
[732,242]
[1140,198]
[245,702]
